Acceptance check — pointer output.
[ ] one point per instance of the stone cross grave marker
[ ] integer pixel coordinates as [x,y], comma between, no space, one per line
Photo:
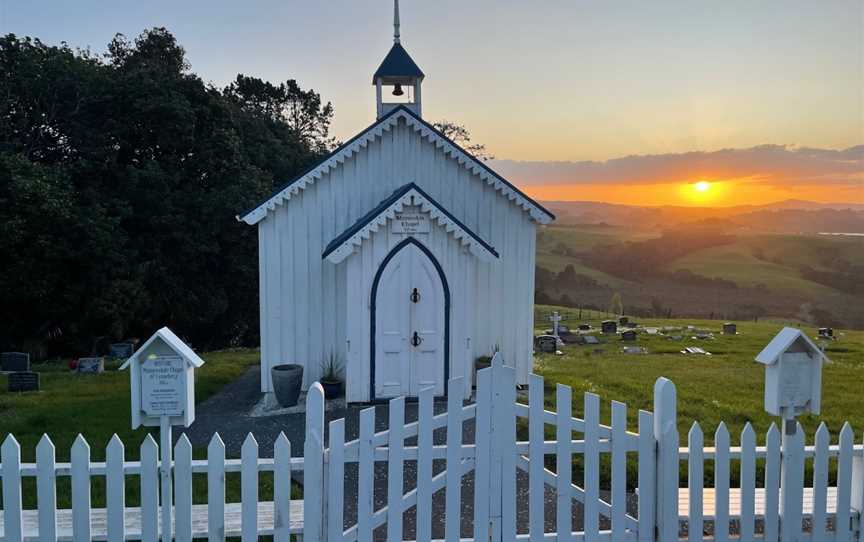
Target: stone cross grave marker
[556,321]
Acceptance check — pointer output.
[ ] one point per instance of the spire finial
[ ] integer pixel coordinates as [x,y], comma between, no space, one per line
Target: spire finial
[395,21]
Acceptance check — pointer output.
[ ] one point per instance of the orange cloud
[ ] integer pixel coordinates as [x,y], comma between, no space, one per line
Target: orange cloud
[756,175]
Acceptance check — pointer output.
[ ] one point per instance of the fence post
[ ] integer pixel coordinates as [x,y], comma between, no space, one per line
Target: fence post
[10,454]
[313,465]
[503,450]
[858,493]
[666,435]
[791,480]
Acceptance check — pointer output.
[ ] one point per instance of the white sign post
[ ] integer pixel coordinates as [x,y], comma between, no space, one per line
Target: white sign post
[793,386]
[163,394]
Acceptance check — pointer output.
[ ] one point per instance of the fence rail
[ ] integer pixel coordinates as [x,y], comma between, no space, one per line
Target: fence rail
[573,486]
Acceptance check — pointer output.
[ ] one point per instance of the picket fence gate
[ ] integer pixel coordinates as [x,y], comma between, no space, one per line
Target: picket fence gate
[783,508]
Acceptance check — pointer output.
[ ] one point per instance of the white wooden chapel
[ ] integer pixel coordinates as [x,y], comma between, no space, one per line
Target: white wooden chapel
[400,255]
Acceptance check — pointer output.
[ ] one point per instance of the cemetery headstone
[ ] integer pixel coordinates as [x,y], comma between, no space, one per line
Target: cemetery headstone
[826,332]
[730,329]
[591,339]
[631,325]
[91,365]
[121,350]
[547,344]
[584,327]
[623,320]
[23,381]
[563,330]
[14,362]
[628,335]
[609,326]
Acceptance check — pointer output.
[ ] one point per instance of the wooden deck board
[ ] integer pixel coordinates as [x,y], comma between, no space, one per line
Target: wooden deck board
[735,502]
[98,521]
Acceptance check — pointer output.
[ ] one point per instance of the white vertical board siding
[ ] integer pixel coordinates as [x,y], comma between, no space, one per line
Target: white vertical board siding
[305,301]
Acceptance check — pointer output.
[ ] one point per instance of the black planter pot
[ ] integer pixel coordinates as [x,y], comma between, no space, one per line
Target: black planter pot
[332,390]
[287,381]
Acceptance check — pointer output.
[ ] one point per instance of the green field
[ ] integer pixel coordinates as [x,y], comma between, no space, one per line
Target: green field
[777,266]
[97,406]
[726,386]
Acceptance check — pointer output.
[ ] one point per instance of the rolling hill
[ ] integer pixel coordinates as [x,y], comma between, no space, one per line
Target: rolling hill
[719,264]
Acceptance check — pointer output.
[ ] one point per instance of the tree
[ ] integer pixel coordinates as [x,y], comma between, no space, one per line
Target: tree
[120,178]
[460,135]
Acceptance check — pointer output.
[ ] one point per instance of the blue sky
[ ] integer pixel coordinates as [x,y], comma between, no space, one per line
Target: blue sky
[536,81]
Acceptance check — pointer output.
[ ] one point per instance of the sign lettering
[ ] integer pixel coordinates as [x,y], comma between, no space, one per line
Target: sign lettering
[411,223]
[163,386]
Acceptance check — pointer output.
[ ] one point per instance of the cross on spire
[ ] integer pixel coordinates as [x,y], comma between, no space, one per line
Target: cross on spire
[395,21]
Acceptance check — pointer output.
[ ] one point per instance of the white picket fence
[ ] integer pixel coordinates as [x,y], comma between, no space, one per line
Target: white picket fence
[562,479]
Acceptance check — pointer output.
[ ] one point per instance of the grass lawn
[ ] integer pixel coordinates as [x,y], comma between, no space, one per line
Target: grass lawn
[726,386]
[97,406]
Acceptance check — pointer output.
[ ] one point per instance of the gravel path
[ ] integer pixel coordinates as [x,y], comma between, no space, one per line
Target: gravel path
[228,413]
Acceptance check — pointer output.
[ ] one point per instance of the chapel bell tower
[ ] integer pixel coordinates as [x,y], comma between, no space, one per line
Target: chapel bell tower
[398,76]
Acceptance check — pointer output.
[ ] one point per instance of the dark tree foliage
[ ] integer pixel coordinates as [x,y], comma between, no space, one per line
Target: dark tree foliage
[120,180]
[460,135]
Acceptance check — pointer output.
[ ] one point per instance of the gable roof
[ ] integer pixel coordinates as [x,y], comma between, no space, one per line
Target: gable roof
[397,63]
[386,123]
[782,341]
[172,340]
[410,194]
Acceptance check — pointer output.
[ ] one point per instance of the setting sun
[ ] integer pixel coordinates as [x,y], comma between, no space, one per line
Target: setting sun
[702,186]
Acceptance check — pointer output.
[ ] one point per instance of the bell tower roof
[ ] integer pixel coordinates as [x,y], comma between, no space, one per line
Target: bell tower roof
[398,64]
[398,69]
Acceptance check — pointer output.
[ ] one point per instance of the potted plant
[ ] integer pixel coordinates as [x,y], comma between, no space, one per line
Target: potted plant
[287,381]
[331,379]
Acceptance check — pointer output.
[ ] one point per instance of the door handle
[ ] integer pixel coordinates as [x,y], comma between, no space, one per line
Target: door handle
[416,339]
[415,295]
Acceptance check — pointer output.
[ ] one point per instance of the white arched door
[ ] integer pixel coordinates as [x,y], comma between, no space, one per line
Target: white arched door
[409,325]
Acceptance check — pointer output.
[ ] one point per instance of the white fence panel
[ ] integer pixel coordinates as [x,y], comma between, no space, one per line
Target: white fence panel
[335,500]
[424,466]
[395,469]
[183,490]
[721,483]
[149,490]
[779,507]
[11,457]
[695,483]
[536,490]
[365,475]
[453,504]
[216,489]
[115,489]
[282,489]
[748,484]
[772,484]
[80,490]
[564,461]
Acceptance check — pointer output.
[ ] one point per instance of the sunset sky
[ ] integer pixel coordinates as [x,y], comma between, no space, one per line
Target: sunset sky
[627,102]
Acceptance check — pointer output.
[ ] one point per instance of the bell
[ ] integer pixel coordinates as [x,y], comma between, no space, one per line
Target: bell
[397,90]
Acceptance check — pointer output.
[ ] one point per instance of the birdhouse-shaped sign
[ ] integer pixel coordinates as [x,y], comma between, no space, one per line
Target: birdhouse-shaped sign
[163,381]
[793,374]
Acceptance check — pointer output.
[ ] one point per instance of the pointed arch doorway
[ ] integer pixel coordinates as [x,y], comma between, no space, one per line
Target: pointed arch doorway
[410,323]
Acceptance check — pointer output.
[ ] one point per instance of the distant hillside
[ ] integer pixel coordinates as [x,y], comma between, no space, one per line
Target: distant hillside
[705,269]
[791,216]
